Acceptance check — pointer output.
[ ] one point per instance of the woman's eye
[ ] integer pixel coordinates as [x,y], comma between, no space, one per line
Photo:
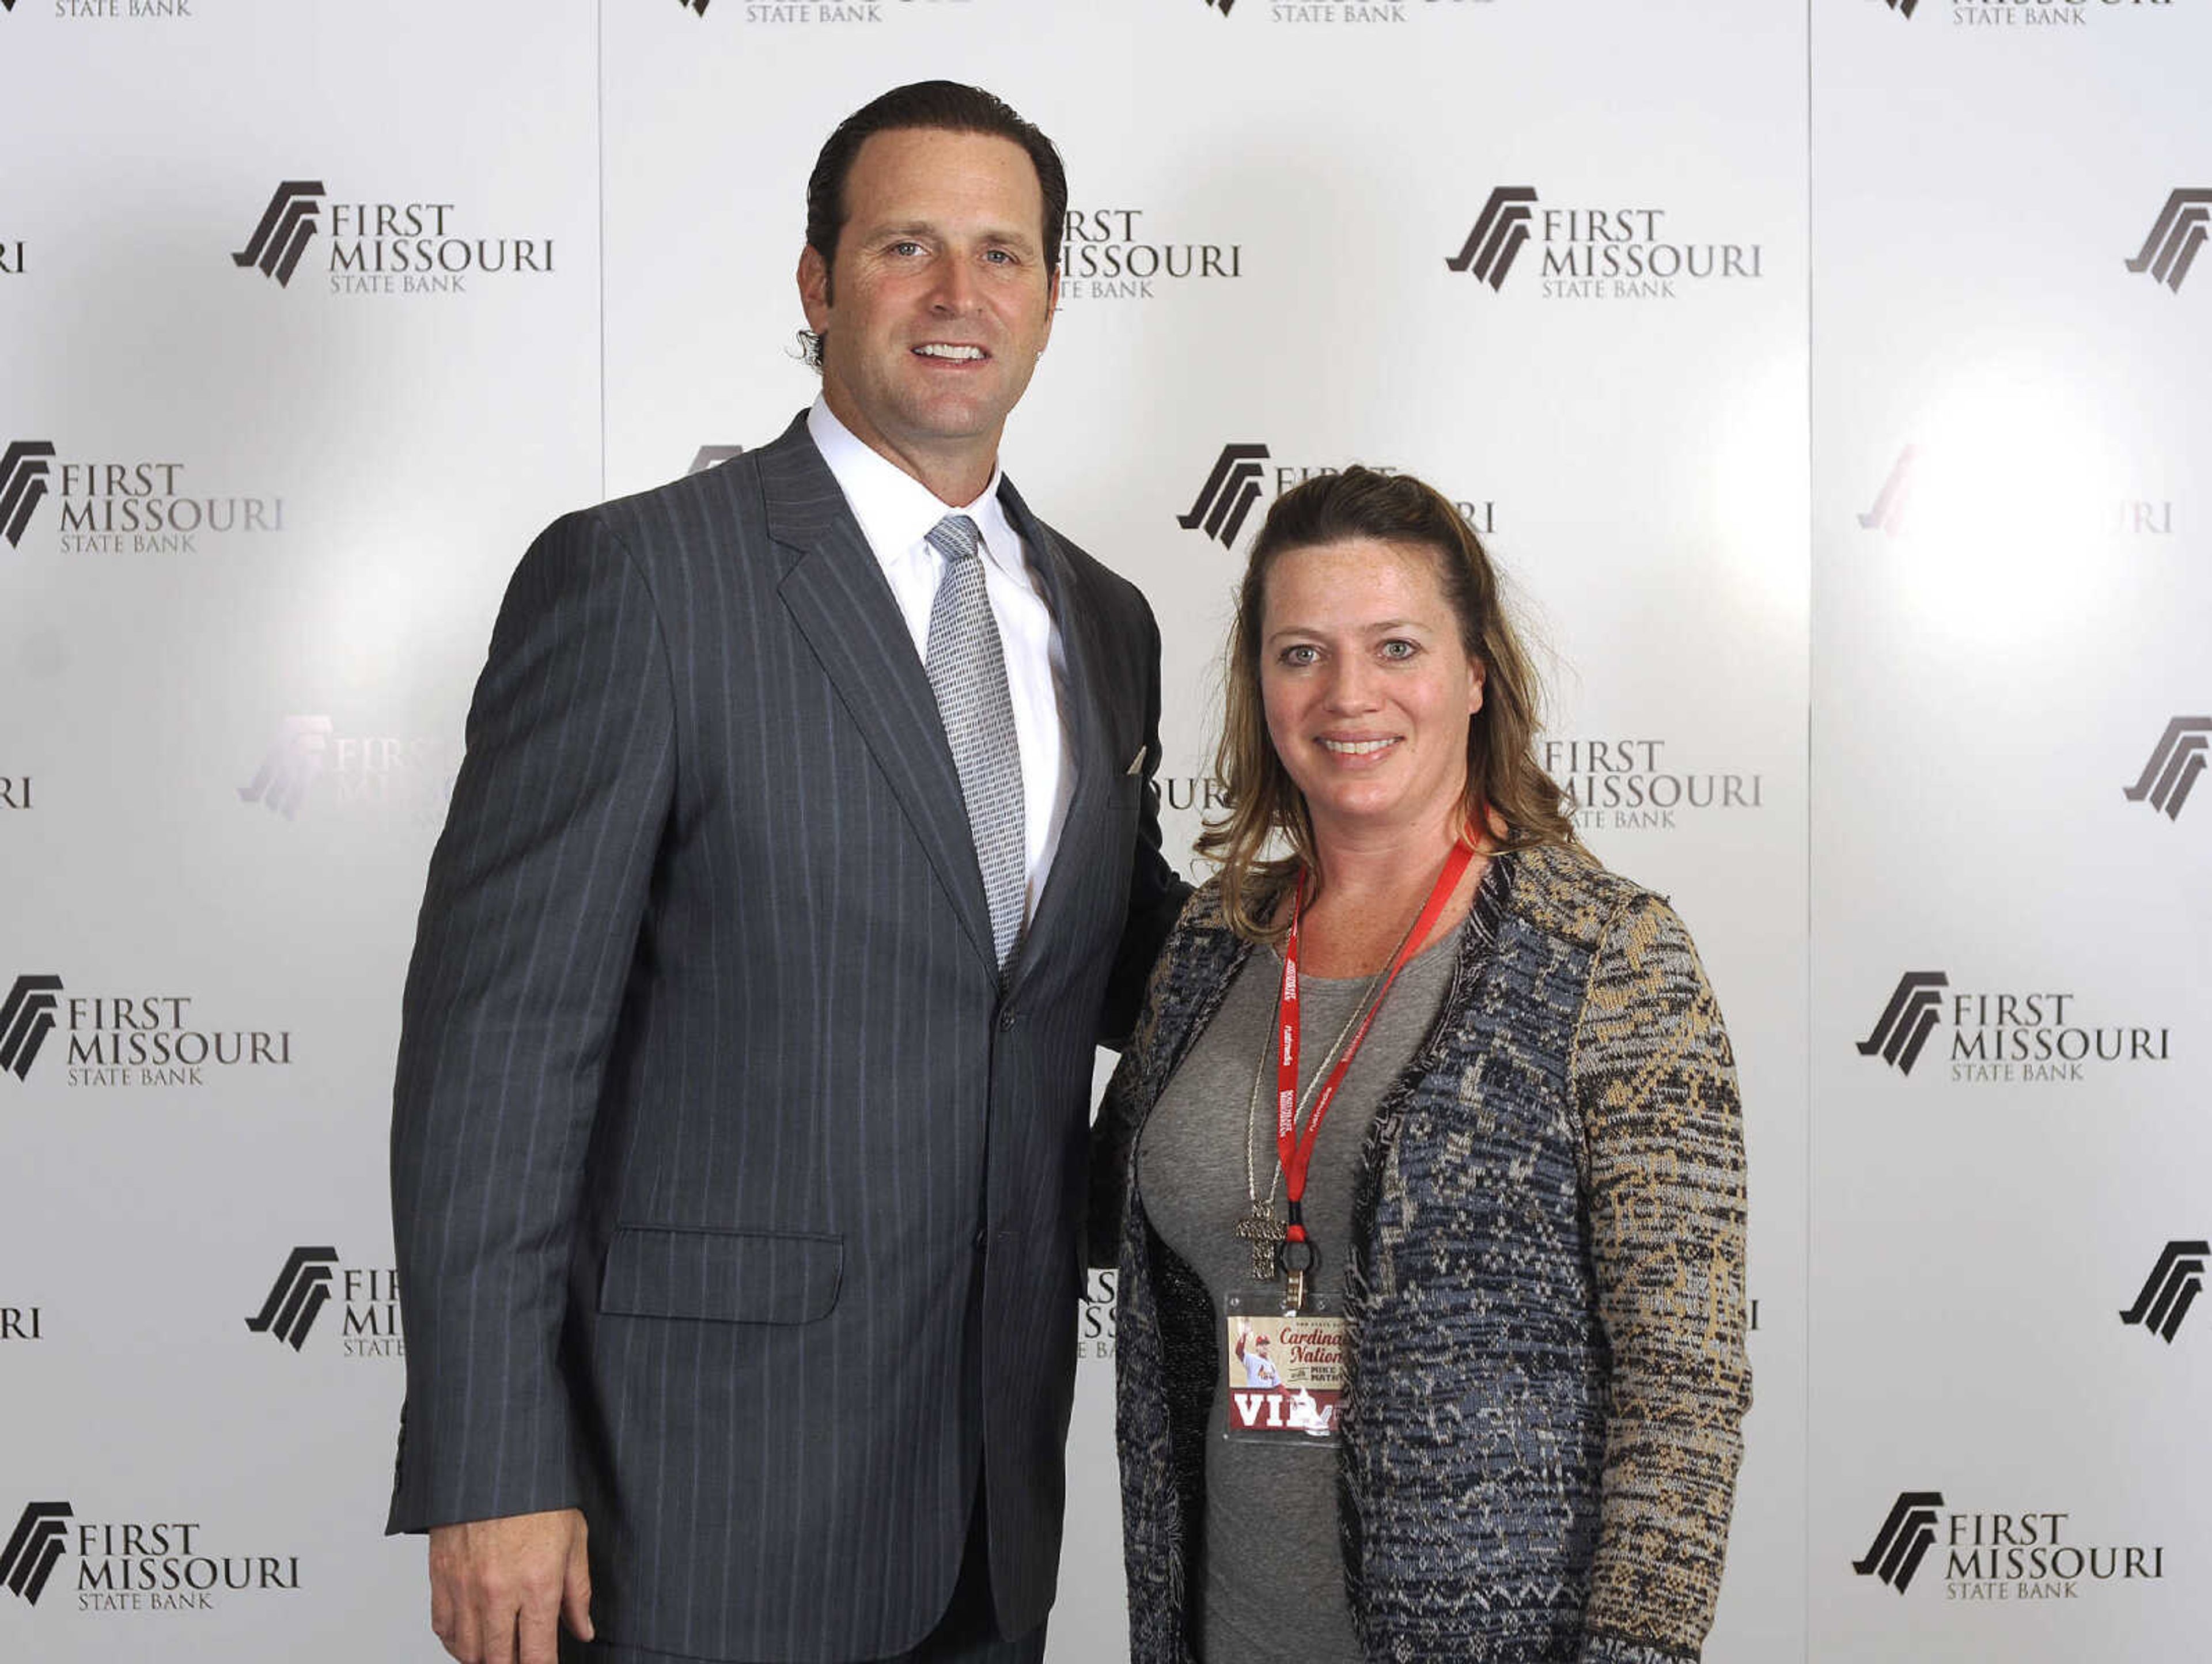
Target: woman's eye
[1399,649]
[1300,655]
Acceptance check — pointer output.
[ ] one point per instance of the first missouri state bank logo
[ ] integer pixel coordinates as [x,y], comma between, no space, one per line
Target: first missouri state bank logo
[111,1040]
[2179,233]
[2012,1555]
[25,467]
[2005,1035]
[1238,481]
[291,767]
[297,1297]
[1501,231]
[135,1565]
[1228,494]
[1986,14]
[2170,1289]
[137,506]
[388,247]
[115,11]
[1958,492]
[365,774]
[1907,1021]
[288,226]
[2175,762]
[311,1279]
[26,1017]
[33,1550]
[1903,1541]
[1338,13]
[1602,253]
[809,14]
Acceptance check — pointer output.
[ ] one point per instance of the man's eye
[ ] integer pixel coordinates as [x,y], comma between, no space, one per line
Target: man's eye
[906,248]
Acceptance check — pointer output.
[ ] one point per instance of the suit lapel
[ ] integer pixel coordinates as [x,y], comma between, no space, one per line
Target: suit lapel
[1083,833]
[836,594]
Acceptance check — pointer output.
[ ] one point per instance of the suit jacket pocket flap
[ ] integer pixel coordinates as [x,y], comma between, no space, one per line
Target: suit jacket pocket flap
[722,1275]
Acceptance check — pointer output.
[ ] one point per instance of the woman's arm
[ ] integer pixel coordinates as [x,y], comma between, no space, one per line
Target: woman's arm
[1655,1081]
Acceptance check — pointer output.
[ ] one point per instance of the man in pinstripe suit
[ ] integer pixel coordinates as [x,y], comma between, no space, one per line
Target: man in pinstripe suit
[738,1134]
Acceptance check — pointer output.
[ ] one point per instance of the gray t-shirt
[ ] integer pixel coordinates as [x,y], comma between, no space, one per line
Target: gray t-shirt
[1274,1577]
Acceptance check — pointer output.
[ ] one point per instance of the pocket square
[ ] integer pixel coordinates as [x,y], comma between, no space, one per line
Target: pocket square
[1137,762]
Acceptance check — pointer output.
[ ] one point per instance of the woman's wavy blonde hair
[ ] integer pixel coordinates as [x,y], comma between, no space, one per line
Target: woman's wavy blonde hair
[1262,808]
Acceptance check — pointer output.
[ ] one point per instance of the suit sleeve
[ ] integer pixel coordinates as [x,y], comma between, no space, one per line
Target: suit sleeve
[1156,890]
[1654,1080]
[529,925]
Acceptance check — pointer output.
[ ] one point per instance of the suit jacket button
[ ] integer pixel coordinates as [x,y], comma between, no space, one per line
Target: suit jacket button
[1006,1021]
[981,1236]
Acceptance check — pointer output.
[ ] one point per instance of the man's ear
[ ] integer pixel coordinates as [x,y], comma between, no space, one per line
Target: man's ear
[814,288]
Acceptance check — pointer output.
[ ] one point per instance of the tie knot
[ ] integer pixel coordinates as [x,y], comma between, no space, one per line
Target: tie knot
[956,537]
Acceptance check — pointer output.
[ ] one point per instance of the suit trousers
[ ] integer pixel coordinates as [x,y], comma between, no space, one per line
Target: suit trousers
[967,1634]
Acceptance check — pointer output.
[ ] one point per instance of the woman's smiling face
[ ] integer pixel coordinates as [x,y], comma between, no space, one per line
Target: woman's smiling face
[1367,685]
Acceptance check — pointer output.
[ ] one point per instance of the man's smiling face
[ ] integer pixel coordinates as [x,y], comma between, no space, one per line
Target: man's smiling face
[939,302]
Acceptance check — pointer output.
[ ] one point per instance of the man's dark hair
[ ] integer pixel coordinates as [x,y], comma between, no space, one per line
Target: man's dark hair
[944,107]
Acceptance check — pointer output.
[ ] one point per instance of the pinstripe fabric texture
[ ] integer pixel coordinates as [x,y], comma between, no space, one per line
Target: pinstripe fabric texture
[1545,1319]
[968,674]
[711,1112]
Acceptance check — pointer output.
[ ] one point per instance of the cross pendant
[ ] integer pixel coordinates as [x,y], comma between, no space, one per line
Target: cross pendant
[1263,1232]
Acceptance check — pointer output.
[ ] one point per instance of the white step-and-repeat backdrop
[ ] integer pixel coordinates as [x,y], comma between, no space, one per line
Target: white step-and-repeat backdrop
[1828,378]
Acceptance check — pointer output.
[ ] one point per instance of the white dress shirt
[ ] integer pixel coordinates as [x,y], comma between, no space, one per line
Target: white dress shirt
[896,513]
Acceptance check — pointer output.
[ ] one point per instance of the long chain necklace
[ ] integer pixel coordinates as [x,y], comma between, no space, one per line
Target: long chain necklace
[1262,1229]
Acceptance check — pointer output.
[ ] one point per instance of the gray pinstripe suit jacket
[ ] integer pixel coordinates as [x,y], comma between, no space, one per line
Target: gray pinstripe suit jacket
[709,1107]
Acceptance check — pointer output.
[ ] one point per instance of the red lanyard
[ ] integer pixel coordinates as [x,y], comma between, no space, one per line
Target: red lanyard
[1293,1148]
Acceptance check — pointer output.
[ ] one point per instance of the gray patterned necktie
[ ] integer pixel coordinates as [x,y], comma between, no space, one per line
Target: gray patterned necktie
[968,673]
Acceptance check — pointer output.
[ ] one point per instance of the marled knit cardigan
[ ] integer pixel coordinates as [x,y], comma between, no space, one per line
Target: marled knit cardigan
[1545,1304]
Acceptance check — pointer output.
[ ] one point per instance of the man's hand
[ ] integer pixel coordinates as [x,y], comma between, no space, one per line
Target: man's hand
[498,1587]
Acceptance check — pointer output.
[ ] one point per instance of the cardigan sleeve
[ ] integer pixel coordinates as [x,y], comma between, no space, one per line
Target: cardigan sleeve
[1654,1080]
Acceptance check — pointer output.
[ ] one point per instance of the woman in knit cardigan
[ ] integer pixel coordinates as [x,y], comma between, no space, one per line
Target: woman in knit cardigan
[1415,1065]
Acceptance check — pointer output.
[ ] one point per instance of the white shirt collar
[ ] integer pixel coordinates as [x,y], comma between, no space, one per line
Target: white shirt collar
[896,511]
